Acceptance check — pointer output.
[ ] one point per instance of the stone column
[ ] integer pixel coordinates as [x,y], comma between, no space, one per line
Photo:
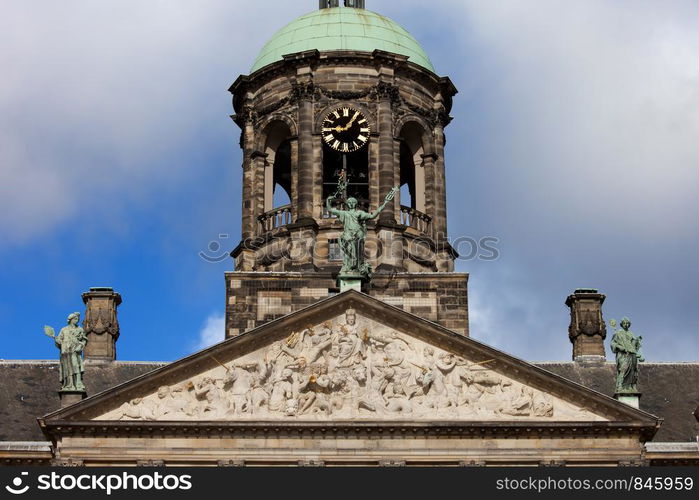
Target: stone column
[386,153]
[101,325]
[294,146]
[428,164]
[439,220]
[587,330]
[259,167]
[305,145]
[269,184]
[303,231]
[249,225]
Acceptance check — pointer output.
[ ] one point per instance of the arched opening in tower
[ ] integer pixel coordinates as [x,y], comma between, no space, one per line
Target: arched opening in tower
[277,173]
[281,190]
[412,172]
[357,165]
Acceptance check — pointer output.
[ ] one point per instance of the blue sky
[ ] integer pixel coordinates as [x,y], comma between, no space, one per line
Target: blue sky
[573,142]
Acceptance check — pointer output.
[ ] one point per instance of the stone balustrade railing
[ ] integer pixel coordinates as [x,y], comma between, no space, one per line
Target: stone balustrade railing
[415,219]
[281,216]
[278,217]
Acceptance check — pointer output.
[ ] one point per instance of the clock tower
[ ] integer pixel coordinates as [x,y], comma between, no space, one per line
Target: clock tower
[342,102]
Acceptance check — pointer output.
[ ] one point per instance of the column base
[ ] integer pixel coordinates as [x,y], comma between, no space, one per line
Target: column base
[629,398]
[71,397]
[350,282]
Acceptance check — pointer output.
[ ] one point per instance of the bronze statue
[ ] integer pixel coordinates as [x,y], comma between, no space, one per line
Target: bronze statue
[354,233]
[627,348]
[71,340]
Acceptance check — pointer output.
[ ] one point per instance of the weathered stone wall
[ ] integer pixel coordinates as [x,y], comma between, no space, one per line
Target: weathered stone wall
[254,298]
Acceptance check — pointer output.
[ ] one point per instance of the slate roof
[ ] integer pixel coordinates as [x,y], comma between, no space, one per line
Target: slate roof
[29,390]
[670,391]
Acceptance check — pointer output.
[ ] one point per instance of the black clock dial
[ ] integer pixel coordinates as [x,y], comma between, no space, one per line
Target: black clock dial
[345,129]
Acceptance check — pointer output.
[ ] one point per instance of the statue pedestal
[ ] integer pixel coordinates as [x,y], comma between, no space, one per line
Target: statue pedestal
[629,398]
[71,397]
[350,282]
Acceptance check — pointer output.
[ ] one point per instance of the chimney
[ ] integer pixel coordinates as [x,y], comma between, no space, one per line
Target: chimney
[101,325]
[587,330]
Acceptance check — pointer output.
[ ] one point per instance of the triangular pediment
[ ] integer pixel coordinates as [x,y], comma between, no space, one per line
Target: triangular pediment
[350,358]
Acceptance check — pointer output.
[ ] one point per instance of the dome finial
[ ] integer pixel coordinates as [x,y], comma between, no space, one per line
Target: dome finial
[329,4]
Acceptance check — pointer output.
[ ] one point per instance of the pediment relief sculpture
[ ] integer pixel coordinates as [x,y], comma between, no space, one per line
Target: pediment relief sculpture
[349,368]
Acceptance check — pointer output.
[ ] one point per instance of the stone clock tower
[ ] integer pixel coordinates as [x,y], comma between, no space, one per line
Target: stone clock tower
[342,93]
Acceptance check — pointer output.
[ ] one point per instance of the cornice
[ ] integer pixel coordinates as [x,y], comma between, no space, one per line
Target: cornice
[453,429]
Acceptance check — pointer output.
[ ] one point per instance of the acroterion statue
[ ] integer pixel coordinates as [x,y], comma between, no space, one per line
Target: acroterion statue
[71,340]
[627,348]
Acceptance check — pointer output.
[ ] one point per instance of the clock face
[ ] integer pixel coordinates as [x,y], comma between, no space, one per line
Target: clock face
[345,129]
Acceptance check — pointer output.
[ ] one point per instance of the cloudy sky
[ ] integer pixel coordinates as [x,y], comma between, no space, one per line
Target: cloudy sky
[574,142]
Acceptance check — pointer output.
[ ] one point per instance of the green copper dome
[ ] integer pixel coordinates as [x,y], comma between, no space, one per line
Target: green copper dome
[341,28]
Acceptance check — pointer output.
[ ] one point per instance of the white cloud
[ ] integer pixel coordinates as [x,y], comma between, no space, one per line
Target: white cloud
[110,104]
[589,109]
[212,332]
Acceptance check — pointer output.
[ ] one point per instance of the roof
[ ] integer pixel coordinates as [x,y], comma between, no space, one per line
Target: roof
[31,390]
[341,28]
[668,390]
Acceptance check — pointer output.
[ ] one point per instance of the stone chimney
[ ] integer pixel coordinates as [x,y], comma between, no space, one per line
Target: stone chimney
[587,330]
[101,324]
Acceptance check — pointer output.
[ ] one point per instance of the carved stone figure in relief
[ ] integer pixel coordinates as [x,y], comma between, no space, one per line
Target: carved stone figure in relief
[347,368]
[210,394]
[135,409]
[394,394]
[520,404]
[542,405]
[167,407]
[350,346]
[282,391]
[239,383]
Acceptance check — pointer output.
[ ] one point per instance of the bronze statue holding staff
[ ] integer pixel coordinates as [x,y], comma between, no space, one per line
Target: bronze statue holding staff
[354,233]
[71,340]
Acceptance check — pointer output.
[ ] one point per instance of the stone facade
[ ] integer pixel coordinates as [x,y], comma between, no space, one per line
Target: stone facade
[253,299]
[319,387]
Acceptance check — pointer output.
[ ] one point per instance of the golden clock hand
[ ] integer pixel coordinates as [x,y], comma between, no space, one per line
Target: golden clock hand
[349,125]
